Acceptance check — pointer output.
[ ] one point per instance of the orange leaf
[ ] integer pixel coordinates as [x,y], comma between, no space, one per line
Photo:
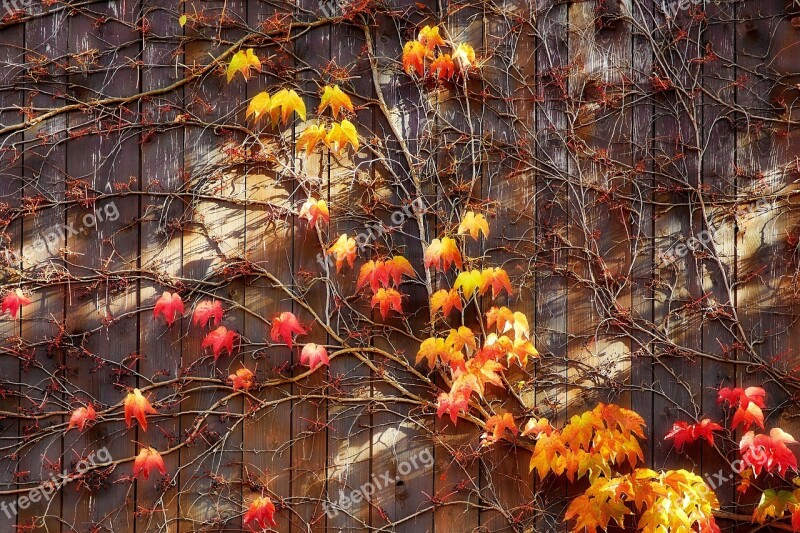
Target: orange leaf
[242,61]
[464,57]
[219,339]
[343,249]
[336,99]
[341,134]
[496,426]
[430,38]
[170,305]
[536,427]
[453,403]
[432,349]
[443,67]
[261,513]
[313,210]
[446,301]
[387,299]
[442,251]
[497,278]
[259,106]
[311,137]
[81,416]
[283,326]
[283,104]
[146,461]
[137,406]
[242,379]
[414,57]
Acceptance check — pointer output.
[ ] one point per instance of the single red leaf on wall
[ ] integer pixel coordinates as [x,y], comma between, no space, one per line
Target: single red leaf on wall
[13,302]
[170,305]
[81,416]
[283,326]
[387,299]
[314,355]
[260,514]
[148,460]
[207,310]
[220,339]
[684,433]
[137,406]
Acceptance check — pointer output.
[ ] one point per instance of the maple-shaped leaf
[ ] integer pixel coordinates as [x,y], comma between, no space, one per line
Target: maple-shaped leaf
[474,225]
[536,427]
[595,508]
[380,273]
[768,452]
[344,249]
[387,299]
[460,338]
[430,38]
[138,407]
[220,339]
[747,416]
[430,350]
[443,67]
[283,326]
[497,279]
[496,426]
[312,210]
[314,355]
[774,504]
[242,379]
[13,302]
[748,403]
[147,460]
[464,57]
[468,281]
[549,446]
[311,137]
[205,311]
[446,300]
[81,416]
[414,53]
[505,320]
[684,433]
[259,106]
[260,515]
[397,267]
[284,103]
[341,134]
[620,418]
[454,402]
[336,99]
[442,252]
[521,350]
[170,305]
[485,371]
[242,61]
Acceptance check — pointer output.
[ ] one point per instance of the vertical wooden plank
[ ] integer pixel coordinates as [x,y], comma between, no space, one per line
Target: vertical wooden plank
[161,253]
[103,335]
[45,164]
[212,241]
[552,60]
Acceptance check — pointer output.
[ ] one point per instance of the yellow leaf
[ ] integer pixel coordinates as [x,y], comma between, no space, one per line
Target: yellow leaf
[468,282]
[310,137]
[284,103]
[430,38]
[464,56]
[336,99]
[473,224]
[259,105]
[182,20]
[341,134]
[243,61]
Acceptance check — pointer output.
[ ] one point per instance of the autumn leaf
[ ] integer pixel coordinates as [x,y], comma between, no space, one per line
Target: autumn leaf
[454,402]
[311,137]
[283,326]
[460,338]
[536,427]
[442,252]
[414,53]
[496,427]
[387,299]
[464,57]
[430,350]
[383,273]
[344,249]
[13,302]
[497,279]
[170,305]
[468,282]
[774,504]
[341,134]
[768,452]
[430,38]
[443,67]
[259,106]
[474,225]
[137,406]
[205,311]
[283,104]
[446,300]
[336,99]
[314,355]
[312,210]
[242,61]
[748,403]
[148,460]
[242,379]
[219,339]
[505,320]
[81,416]
[260,515]
[484,372]
[684,433]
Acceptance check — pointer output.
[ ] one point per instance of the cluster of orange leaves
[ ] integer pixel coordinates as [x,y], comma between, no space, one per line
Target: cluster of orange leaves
[443,66]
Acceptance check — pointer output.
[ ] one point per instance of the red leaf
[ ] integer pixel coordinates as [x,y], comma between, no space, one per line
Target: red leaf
[205,311]
[496,426]
[314,355]
[146,461]
[748,403]
[169,305]
[283,326]
[219,339]
[453,403]
[81,416]
[685,433]
[137,406]
[13,301]
[768,452]
[262,513]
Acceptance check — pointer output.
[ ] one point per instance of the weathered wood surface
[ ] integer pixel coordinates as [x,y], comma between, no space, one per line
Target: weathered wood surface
[601,136]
